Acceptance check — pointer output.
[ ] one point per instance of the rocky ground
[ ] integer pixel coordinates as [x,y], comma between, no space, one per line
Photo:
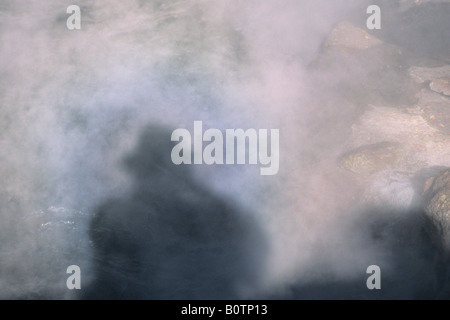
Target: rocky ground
[399,140]
[398,149]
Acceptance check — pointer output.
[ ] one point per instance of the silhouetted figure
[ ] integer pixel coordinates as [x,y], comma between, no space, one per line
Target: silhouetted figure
[170,238]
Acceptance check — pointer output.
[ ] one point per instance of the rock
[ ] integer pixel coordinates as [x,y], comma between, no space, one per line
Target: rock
[370,158]
[438,117]
[420,146]
[437,207]
[441,85]
[370,71]
[435,110]
[423,74]
[346,35]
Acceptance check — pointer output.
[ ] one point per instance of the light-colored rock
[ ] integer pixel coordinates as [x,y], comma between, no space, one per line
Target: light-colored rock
[441,85]
[346,35]
[422,145]
[418,146]
[368,159]
[423,74]
[435,109]
[370,70]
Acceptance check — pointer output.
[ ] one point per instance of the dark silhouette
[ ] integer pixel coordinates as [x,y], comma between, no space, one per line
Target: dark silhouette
[171,238]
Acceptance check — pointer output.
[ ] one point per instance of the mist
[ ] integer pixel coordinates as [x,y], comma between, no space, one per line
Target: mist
[86,118]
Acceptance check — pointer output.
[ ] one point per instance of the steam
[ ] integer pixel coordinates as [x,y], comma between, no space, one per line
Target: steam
[74,104]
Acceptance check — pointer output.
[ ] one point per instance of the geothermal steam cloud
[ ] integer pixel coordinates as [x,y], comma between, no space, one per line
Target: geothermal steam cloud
[88,178]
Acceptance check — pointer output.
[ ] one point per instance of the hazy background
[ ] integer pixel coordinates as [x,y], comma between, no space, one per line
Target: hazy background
[74,105]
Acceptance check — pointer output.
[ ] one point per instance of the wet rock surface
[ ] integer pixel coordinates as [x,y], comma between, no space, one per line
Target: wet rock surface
[435,109]
[371,158]
[363,56]
[423,74]
[346,35]
[418,144]
[401,114]
[398,119]
[437,207]
[395,137]
[441,85]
